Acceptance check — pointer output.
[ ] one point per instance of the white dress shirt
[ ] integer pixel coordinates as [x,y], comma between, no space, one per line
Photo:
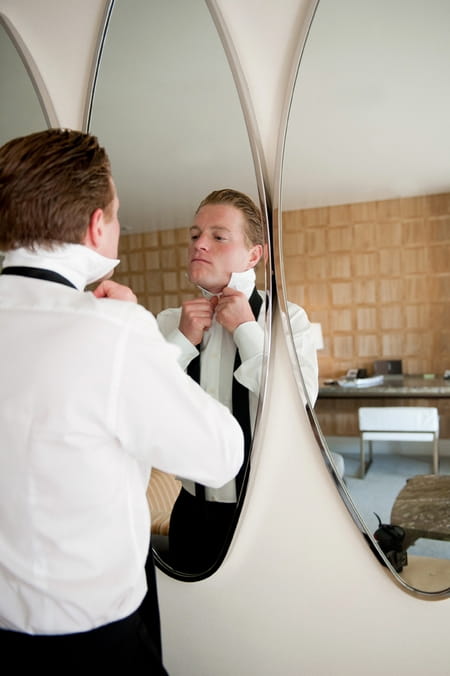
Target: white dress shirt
[217,360]
[92,398]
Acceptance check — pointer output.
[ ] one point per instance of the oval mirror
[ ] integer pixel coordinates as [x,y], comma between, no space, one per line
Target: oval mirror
[167,106]
[365,242]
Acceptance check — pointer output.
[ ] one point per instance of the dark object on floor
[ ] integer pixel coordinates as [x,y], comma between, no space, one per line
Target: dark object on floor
[391,538]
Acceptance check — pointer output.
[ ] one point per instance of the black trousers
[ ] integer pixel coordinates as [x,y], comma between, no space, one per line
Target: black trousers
[125,644]
[198,531]
[132,644]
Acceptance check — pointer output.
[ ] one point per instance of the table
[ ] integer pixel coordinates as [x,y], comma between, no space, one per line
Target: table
[337,407]
[392,387]
[422,508]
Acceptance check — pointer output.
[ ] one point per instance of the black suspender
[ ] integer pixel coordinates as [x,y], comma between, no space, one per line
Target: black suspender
[36,273]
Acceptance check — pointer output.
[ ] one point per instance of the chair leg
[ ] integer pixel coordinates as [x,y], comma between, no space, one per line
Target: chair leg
[362,468]
[363,464]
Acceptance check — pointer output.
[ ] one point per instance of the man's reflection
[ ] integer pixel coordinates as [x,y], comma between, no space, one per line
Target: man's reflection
[221,341]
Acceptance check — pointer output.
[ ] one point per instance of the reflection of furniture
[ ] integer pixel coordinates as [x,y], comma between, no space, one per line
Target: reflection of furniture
[388,366]
[398,423]
[337,407]
[422,508]
[162,492]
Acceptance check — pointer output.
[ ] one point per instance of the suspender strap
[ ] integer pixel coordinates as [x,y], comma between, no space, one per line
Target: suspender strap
[37,273]
[240,398]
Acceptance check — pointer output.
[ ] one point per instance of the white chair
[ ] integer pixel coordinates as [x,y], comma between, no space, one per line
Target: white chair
[397,423]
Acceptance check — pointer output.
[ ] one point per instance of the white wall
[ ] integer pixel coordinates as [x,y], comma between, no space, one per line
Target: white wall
[299,592]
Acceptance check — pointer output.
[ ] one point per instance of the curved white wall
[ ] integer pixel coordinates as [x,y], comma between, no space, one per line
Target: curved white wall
[299,592]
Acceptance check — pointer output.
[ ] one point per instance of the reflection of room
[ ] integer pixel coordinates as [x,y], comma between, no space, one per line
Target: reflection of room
[376,275]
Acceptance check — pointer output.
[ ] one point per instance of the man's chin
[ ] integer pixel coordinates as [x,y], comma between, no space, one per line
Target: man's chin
[197,278]
[200,281]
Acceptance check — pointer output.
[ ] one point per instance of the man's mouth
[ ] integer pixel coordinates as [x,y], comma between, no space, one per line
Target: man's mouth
[200,260]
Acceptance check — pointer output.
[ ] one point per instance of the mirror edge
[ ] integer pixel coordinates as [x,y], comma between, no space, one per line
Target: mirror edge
[278,181]
[281,296]
[261,178]
[96,62]
[34,74]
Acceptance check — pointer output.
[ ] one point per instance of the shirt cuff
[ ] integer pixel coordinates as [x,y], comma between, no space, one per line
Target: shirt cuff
[187,351]
[249,340]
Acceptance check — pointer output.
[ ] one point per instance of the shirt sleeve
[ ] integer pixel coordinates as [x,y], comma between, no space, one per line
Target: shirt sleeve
[168,322]
[249,340]
[164,418]
[305,349]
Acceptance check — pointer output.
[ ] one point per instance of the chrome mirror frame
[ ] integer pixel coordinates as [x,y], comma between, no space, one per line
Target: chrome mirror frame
[287,330]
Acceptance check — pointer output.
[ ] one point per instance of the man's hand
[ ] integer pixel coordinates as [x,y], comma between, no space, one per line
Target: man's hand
[233,309]
[110,289]
[196,318]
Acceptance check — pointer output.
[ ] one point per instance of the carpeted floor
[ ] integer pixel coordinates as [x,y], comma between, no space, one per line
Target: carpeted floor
[378,490]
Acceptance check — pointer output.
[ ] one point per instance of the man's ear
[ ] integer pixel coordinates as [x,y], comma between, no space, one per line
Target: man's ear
[94,233]
[255,255]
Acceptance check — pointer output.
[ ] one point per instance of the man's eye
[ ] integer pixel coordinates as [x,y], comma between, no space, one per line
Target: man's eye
[194,237]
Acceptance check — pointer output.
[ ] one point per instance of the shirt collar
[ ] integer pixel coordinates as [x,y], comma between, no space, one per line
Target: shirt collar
[78,263]
[241,281]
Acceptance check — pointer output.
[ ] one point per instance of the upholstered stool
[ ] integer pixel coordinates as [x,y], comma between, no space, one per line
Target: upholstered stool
[397,423]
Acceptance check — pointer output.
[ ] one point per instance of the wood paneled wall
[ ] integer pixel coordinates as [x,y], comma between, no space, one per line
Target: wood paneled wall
[376,275]
[153,264]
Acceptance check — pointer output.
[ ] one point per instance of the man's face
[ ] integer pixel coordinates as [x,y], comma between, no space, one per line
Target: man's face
[218,247]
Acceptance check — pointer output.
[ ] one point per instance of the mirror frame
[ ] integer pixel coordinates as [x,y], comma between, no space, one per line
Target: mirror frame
[29,63]
[287,330]
[261,182]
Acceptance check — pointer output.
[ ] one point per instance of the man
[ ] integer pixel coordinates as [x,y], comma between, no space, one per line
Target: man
[92,399]
[227,242]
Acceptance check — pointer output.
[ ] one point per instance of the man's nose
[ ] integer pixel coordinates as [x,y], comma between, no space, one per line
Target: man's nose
[201,242]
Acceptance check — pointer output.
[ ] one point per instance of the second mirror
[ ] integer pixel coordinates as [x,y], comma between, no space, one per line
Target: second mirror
[366,250]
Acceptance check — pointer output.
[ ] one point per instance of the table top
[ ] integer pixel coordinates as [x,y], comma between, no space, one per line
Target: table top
[392,386]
